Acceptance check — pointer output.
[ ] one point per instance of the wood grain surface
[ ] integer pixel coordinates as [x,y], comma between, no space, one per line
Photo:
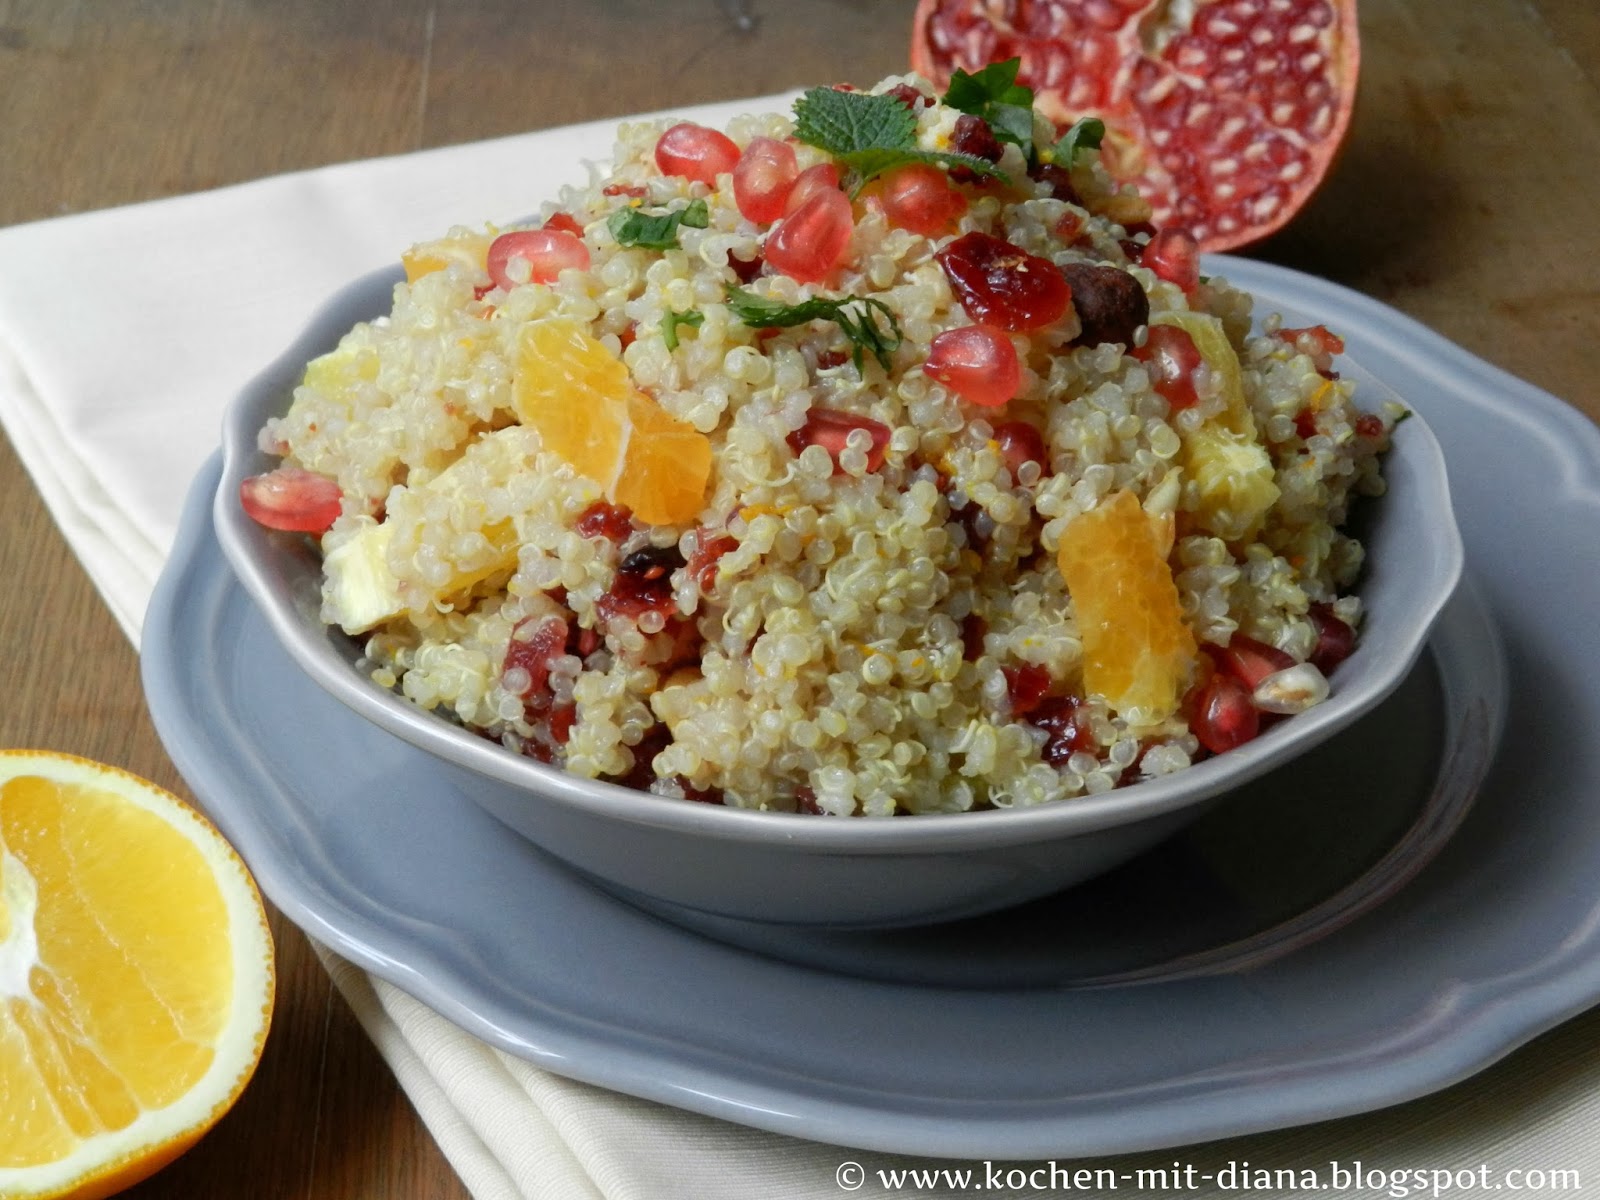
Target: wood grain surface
[1465,198]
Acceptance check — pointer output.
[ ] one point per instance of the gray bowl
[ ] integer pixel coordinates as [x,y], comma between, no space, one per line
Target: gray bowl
[848,873]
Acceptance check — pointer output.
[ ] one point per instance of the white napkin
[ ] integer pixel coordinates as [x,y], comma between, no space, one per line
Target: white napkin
[124,333]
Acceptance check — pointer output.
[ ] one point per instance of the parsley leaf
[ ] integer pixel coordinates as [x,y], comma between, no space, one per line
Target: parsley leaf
[669,325]
[1085,134]
[656,231]
[870,134]
[860,325]
[995,95]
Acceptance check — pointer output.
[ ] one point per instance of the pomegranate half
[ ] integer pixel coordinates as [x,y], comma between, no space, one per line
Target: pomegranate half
[1226,114]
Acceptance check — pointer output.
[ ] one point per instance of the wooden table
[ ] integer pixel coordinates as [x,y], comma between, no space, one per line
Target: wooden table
[1465,198]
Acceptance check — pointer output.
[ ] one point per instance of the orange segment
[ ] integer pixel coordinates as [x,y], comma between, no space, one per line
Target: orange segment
[135,976]
[428,257]
[665,468]
[580,398]
[1137,650]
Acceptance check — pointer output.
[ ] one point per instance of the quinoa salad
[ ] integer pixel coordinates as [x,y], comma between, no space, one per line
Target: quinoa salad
[874,457]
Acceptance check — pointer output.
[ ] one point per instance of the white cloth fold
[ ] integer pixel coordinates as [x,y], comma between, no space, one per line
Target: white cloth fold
[124,333]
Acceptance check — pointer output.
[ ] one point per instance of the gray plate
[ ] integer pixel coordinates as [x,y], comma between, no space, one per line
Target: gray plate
[1318,947]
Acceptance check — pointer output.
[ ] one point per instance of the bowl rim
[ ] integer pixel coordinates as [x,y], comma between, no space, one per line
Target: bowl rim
[244,544]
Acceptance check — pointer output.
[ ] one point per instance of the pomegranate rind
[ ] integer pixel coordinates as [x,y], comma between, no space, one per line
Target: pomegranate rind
[1094,71]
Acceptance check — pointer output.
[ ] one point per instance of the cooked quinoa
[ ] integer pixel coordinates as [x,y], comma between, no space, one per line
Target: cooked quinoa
[846,623]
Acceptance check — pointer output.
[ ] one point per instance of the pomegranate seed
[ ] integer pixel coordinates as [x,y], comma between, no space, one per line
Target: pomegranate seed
[918,197]
[1026,686]
[291,499]
[565,222]
[1003,285]
[695,152]
[1336,640]
[1305,422]
[547,252]
[1171,358]
[1369,426]
[977,363]
[831,429]
[1248,660]
[824,177]
[1021,442]
[1173,256]
[1224,715]
[814,238]
[1318,339]
[763,178]
[604,519]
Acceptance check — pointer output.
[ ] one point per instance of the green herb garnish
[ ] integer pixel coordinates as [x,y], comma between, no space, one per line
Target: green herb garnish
[1085,134]
[669,325]
[656,231]
[870,134]
[995,95]
[860,325]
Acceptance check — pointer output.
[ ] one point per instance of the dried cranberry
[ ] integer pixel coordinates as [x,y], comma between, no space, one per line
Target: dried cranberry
[973,629]
[746,270]
[1003,285]
[1063,719]
[972,135]
[907,95]
[532,654]
[806,801]
[1058,178]
[1110,303]
[1026,686]
[656,739]
[562,718]
[684,647]
[643,583]
[604,519]
[710,795]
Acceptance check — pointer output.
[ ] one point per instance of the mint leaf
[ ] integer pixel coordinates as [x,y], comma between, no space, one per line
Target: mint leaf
[1085,134]
[669,325]
[844,123]
[995,95]
[860,325]
[656,231]
[995,84]
[870,135]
